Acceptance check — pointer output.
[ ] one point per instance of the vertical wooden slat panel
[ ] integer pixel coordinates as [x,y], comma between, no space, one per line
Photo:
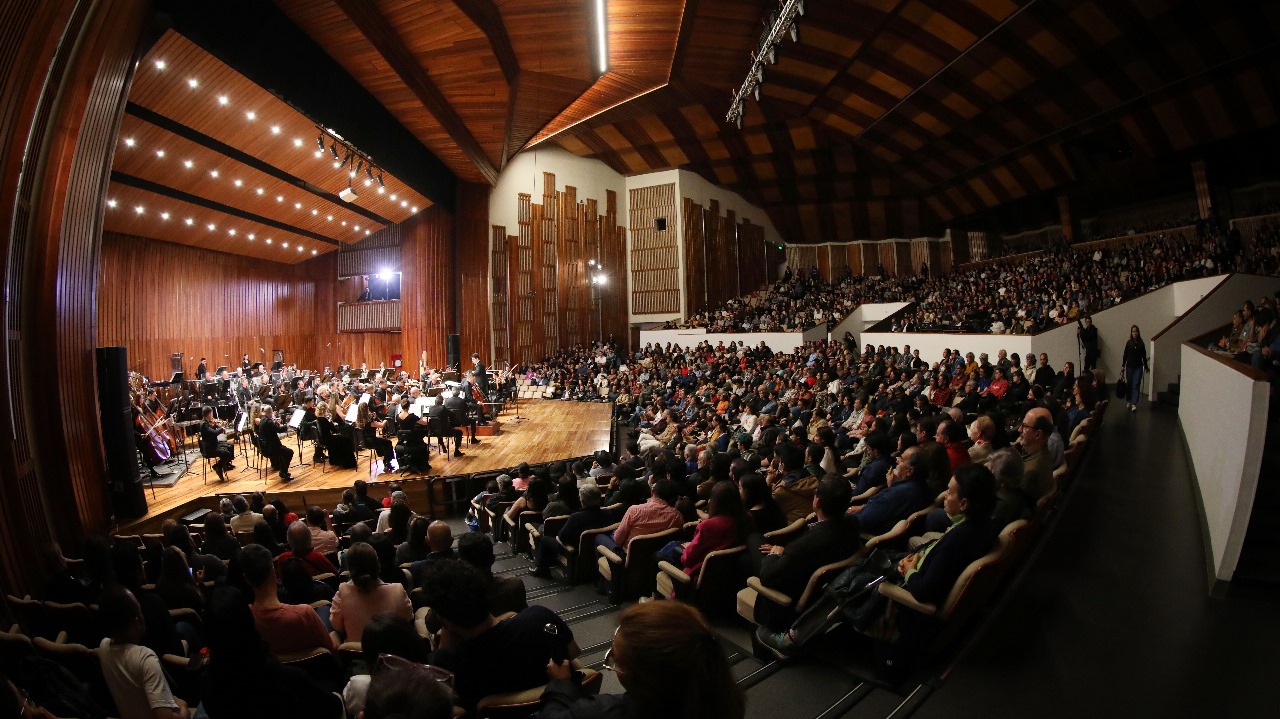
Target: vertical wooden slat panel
[870,259]
[613,295]
[655,264]
[751,258]
[472,222]
[570,264]
[902,259]
[824,262]
[427,285]
[498,311]
[695,278]
[545,254]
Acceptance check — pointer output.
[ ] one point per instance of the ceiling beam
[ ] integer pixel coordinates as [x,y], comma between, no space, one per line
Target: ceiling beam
[383,38]
[175,194]
[486,16]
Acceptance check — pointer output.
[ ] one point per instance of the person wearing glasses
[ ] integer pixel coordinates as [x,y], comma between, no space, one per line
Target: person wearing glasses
[1033,445]
[668,660]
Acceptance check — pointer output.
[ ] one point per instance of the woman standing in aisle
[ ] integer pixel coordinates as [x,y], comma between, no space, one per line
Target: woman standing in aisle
[1132,364]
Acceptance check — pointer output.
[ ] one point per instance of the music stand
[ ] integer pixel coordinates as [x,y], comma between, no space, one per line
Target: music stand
[282,401]
[176,378]
[277,366]
[221,369]
[295,423]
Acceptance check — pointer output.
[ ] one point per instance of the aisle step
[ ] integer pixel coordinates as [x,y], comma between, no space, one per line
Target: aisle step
[799,689]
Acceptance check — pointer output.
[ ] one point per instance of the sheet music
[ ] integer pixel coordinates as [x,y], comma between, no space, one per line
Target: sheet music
[420,407]
[244,422]
[351,413]
[296,420]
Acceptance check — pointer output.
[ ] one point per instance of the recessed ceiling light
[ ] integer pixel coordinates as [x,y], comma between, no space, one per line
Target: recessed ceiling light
[299,248]
[297,205]
[357,228]
[193,82]
[329,217]
[404,203]
[128,142]
[284,244]
[279,198]
[319,153]
[393,197]
[164,215]
[231,232]
[366,232]
[353,173]
[190,221]
[337,164]
[260,190]
[382,190]
[159,153]
[344,223]
[111,203]
[275,129]
[160,64]
[212,227]
[188,164]
[314,211]
[139,209]
[413,209]
[213,173]
[238,183]
[313,252]
[251,236]
[251,115]
[224,100]
[268,240]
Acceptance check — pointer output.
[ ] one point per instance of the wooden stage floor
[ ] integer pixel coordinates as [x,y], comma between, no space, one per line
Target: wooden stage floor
[548,430]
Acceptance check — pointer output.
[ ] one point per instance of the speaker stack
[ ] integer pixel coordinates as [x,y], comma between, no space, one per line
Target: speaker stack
[453,355]
[128,501]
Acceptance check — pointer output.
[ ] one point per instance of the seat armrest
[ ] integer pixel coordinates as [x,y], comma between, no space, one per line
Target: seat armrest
[532,530]
[897,594]
[674,572]
[772,595]
[609,554]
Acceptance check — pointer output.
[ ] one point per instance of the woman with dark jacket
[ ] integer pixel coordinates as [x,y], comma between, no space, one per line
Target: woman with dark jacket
[1132,364]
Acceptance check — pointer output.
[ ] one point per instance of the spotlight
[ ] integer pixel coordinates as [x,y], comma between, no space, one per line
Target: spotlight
[773,54]
[333,147]
[755,91]
[369,171]
[320,141]
[359,166]
[346,157]
[795,33]
[380,179]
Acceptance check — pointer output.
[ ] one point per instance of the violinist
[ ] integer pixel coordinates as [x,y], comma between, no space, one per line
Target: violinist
[275,450]
[308,429]
[211,444]
[369,424]
[459,408]
[341,451]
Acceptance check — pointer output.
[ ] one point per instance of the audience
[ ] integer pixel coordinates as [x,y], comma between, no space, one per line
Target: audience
[133,672]
[286,628]
[365,595]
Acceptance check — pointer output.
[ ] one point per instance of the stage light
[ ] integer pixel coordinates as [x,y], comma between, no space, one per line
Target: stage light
[384,275]
[193,83]
[128,142]
[224,100]
[112,204]
[160,64]
[333,147]
[320,141]
[380,179]
[602,37]
[251,115]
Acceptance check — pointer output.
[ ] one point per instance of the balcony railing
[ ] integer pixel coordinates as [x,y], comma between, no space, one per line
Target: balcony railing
[378,316]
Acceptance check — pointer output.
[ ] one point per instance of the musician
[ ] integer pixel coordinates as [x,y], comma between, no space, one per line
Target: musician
[202,370]
[369,425]
[441,421]
[275,450]
[481,376]
[414,429]
[245,364]
[471,385]
[459,405]
[211,444]
[342,452]
[309,430]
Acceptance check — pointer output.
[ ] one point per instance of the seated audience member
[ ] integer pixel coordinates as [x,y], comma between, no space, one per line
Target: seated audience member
[407,692]
[216,540]
[414,549]
[297,587]
[871,477]
[177,586]
[834,537]
[361,488]
[656,515]
[440,547]
[566,500]
[61,586]
[488,656]
[792,485]
[1033,444]
[907,491]
[161,634]
[323,539]
[299,537]
[724,527]
[928,573]
[350,510]
[535,498]
[262,535]
[395,520]
[365,595]
[1012,501]
[245,518]
[286,628]
[384,634]
[981,431]
[506,594]
[132,672]
[950,435]
[765,514]
[243,680]
[669,663]
[591,516]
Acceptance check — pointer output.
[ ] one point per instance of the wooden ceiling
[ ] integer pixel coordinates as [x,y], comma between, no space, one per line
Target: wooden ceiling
[888,118]
[199,141]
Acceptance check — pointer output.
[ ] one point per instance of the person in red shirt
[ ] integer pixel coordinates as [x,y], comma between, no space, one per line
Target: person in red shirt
[951,435]
[656,515]
[286,628]
[724,527]
[299,538]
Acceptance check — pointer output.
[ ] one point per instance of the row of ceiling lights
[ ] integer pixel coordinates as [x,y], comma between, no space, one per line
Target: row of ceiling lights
[141,210]
[339,162]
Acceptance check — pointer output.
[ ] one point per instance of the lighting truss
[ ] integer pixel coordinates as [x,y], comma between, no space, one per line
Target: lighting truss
[348,156]
[781,23]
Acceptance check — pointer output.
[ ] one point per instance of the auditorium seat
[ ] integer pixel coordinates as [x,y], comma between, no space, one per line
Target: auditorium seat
[713,590]
[550,527]
[632,576]
[579,561]
[518,705]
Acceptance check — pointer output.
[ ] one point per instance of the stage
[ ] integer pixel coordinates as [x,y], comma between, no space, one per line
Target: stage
[548,430]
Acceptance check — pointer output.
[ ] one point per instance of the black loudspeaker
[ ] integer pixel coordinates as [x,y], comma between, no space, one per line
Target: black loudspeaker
[124,485]
[660,224]
[452,354]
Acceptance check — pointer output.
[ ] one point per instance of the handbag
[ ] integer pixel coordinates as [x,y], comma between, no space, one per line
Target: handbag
[1122,388]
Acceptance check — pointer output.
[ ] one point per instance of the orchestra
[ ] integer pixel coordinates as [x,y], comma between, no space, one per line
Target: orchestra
[342,411]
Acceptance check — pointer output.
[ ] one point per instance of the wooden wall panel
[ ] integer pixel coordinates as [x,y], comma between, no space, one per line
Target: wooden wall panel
[544,256]
[695,269]
[427,285]
[655,263]
[570,267]
[824,263]
[613,311]
[886,256]
[902,259]
[472,226]
[522,282]
[870,259]
[499,289]
[752,273]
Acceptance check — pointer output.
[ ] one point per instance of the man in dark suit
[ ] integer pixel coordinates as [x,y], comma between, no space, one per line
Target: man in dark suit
[269,439]
[201,370]
[458,408]
[591,516]
[481,376]
[443,424]
[212,446]
[787,569]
